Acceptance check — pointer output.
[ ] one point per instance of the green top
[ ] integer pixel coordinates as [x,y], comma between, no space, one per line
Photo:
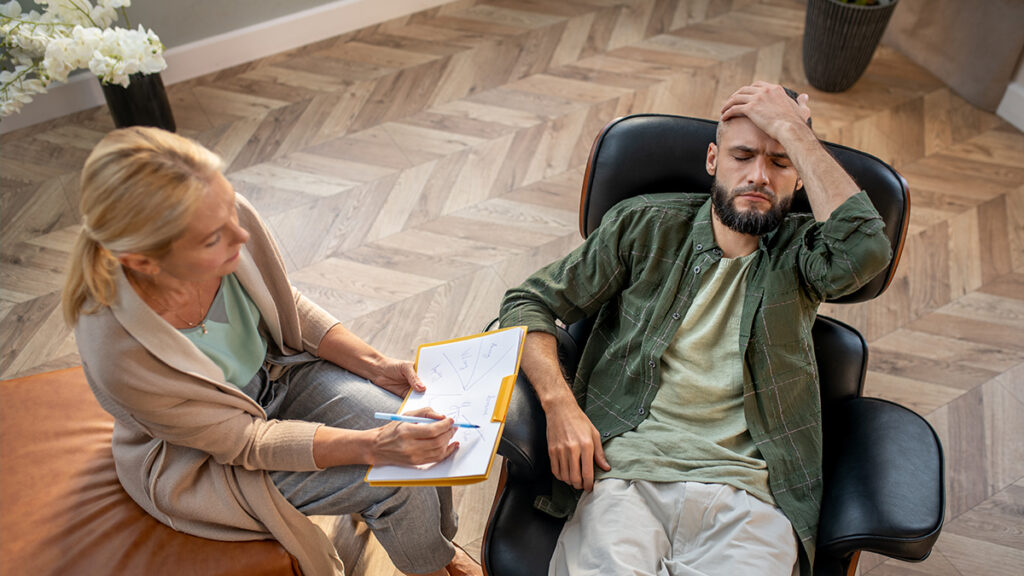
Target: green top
[638,273]
[232,339]
[696,430]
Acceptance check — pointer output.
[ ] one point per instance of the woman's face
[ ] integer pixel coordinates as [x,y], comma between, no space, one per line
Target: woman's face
[210,245]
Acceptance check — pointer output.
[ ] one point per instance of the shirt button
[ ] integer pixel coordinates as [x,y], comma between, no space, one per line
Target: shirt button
[607,434]
[718,252]
[652,364]
[700,247]
[675,315]
[696,269]
[641,410]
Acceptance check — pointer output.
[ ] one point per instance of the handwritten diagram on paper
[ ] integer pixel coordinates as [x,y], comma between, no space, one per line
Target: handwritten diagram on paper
[464,381]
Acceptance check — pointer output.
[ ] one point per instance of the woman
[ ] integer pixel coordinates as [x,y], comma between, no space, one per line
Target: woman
[240,406]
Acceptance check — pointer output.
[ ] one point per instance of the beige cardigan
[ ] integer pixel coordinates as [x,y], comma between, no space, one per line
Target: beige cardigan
[190,448]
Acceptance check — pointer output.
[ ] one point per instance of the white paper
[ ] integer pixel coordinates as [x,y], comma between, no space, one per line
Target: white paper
[463,380]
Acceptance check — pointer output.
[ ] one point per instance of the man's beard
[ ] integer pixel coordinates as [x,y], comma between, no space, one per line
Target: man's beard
[751,221]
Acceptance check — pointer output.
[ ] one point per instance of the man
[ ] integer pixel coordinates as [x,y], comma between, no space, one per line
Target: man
[696,398]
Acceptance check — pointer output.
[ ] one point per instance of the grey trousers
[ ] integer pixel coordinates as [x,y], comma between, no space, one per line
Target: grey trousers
[415,525]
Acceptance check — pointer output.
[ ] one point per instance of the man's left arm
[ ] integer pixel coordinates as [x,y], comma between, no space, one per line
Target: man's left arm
[784,119]
[849,247]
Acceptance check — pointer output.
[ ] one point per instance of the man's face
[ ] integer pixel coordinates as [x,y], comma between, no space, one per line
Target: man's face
[754,178]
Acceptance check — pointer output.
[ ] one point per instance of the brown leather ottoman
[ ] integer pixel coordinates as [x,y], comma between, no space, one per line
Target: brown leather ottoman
[62,510]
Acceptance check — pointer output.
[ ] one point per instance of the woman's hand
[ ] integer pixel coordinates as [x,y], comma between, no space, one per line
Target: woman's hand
[342,347]
[401,443]
[405,443]
[397,376]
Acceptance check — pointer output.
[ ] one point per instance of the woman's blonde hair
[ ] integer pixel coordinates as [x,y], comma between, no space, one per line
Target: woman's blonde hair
[140,187]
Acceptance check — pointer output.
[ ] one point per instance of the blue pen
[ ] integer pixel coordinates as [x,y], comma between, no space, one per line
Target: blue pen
[414,419]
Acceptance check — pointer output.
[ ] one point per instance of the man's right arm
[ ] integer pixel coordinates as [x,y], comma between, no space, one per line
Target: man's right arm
[573,441]
[570,289]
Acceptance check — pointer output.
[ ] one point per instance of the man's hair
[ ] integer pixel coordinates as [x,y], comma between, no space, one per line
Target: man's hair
[792,94]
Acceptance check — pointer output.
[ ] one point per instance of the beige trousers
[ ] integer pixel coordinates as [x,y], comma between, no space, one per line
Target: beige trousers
[634,527]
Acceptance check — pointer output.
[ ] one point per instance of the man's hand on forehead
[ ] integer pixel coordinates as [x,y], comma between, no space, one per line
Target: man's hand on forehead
[768,106]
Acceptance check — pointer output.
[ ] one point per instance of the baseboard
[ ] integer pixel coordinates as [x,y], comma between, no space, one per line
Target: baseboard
[1011,108]
[82,91]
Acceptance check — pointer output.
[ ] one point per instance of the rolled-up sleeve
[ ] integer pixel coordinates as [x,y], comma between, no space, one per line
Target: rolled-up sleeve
[846,251]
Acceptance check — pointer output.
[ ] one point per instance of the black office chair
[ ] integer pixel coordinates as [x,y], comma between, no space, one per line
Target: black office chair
[883,465]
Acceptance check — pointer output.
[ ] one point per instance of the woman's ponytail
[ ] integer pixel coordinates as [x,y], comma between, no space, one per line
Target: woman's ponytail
[90,277]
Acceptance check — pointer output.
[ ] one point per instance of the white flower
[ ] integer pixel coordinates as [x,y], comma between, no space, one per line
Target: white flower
[59,61]
[16,89]
[68,12]
[121,53]
[10,9]
[36,49]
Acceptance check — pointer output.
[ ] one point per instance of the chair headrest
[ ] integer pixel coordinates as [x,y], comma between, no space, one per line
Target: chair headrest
[654,153]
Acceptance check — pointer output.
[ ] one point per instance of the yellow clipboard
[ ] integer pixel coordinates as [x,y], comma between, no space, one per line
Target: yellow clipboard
[470,379]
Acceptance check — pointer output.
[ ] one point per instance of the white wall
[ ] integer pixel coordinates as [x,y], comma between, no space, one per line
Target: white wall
[180,22]
[1011,108]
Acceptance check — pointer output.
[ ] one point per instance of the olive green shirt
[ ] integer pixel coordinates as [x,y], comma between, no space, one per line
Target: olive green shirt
[696,429]
[638,274]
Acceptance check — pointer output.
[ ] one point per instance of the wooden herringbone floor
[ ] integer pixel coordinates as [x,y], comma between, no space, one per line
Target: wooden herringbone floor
[414,170]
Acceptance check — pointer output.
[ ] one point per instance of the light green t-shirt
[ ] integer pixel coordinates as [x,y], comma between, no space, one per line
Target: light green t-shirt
[696,430]
[232,339]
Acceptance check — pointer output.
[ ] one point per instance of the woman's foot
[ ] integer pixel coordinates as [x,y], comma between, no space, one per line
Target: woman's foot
[463,564]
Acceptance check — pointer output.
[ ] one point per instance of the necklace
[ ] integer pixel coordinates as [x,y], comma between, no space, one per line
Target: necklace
[199,307]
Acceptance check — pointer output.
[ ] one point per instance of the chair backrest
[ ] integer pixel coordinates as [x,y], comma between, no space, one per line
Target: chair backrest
[652,153]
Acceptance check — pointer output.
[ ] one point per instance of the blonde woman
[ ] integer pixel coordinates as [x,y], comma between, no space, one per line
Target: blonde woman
[240,406]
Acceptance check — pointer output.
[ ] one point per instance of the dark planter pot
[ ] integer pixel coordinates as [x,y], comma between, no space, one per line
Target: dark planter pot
[839,41]
[142,103]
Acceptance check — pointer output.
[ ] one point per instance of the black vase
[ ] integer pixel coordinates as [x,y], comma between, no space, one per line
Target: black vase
[839,41]
[142,103]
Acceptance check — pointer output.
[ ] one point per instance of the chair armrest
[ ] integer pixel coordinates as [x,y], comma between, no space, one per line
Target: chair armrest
[520,539]
[524,442]
[883,486]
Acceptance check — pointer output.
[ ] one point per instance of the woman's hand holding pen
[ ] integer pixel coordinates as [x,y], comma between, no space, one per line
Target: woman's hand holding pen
[412,444]
[400,443]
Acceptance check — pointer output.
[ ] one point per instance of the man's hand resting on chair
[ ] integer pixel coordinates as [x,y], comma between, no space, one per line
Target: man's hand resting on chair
[574,445]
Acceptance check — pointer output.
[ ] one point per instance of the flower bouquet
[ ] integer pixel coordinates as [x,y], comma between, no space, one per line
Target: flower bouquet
[37,49]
